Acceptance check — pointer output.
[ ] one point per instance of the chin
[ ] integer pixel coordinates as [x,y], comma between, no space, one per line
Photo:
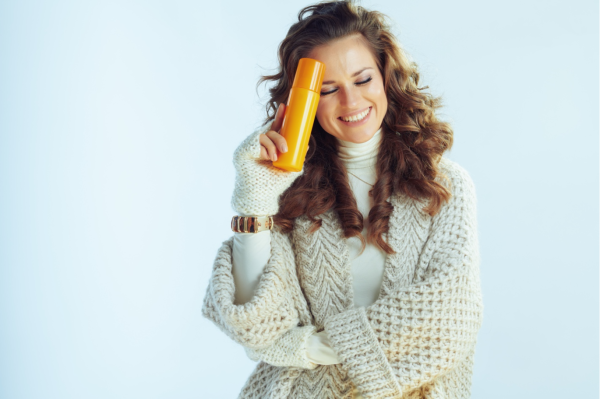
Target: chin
[353,135]
[360,136]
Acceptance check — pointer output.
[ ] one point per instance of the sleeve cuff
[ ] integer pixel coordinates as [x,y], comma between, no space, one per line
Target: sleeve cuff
[319,350]
[361,355]
[287,351]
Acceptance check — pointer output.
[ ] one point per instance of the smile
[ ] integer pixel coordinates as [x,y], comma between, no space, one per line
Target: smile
[356,119]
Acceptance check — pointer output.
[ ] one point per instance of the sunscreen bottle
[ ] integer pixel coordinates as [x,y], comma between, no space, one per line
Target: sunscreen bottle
[300,113]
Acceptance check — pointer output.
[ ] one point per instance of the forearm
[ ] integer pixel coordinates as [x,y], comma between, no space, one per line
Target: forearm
[276,307]
[302,347]
[299,347]
[435,324]
[251,252]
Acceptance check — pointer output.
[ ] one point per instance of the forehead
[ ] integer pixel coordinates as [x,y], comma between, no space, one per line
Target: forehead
[343,57]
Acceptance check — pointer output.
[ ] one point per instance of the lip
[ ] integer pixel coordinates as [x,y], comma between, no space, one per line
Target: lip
[354,113]
[358,123]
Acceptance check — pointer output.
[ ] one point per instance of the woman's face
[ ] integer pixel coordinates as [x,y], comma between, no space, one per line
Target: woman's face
[352,89]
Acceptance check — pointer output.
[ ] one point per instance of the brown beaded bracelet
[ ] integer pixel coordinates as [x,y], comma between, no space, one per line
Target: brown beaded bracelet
[251,224]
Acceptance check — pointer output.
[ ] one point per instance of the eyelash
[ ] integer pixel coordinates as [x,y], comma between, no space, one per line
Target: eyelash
[359,83]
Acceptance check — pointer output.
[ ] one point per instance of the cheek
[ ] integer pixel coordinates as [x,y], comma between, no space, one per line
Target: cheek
[323,113]
[377,93]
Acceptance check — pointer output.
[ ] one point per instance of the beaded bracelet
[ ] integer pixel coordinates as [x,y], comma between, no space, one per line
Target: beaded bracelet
[251,224]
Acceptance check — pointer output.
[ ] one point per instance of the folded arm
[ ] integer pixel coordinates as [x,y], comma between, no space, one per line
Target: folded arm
[424,330]
[301,346]
[276,307]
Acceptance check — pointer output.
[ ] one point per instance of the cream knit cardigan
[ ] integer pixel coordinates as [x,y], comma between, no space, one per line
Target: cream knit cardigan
[416,341]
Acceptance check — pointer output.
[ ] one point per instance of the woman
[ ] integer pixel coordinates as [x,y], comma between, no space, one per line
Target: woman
[328,312]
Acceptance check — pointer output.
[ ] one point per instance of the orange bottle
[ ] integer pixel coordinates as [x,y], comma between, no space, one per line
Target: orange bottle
[300,113]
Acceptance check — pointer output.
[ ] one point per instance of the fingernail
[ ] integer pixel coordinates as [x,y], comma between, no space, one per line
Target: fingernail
[284,148]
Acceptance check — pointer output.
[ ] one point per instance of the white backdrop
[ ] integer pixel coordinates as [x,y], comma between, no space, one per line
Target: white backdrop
[118,121]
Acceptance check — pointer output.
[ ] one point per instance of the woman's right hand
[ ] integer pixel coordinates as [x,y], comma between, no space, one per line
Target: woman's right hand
[258,183]
[272,140]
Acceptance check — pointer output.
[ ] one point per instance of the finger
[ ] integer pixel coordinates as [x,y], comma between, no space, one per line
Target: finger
[279,116]
[270,146]
[264,155]
[278,139]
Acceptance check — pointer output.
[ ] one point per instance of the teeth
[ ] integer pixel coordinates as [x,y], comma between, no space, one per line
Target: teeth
[358,117]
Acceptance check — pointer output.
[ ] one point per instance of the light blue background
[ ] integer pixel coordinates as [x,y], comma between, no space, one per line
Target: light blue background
[118,121]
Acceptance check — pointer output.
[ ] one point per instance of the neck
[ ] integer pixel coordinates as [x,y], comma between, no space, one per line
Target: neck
[360,155]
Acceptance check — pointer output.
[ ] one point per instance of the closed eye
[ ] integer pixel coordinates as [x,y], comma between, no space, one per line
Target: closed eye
[357,83]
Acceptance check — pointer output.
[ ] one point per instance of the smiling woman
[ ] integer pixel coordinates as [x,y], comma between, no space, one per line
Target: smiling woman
[367,284]
[353,100]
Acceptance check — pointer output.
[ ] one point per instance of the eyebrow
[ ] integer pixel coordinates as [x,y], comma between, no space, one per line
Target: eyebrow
[353,75]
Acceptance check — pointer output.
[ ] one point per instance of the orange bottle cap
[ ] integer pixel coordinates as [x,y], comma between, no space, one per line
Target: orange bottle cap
[309,75]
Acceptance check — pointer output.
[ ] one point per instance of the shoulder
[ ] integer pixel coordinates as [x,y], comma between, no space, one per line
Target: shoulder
[456,179]
[463,200]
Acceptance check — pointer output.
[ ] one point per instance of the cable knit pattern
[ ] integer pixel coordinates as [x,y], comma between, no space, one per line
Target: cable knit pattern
[416,341]
[258,184]
[324,267]
[324,382]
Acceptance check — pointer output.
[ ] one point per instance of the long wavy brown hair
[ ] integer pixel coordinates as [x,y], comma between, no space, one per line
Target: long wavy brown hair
[413,138]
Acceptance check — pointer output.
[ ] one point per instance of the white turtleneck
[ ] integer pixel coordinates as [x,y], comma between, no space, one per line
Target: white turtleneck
[367,268]
[251,251]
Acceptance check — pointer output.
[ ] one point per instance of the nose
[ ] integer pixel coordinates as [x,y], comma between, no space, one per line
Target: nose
[350,97]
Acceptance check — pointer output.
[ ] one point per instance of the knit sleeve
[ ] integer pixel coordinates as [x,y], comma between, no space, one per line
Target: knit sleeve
[277,306]
[425,330]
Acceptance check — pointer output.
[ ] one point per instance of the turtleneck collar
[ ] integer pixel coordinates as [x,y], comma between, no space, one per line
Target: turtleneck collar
[360,155]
